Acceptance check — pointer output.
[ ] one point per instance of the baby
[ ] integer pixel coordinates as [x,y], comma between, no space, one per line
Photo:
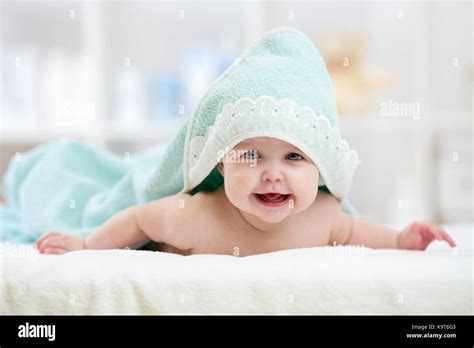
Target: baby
[264,205]
[275,110]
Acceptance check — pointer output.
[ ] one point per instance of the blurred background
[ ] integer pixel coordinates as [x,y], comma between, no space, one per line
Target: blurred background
[124,75]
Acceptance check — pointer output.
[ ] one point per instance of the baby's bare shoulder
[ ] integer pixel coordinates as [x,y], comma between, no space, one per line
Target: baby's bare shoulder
[180,220]
[326,210]
[340,222]
[326,203]
[189,209]
[196,216]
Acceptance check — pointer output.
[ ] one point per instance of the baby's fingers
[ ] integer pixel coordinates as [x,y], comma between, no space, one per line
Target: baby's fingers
[428,232]
[448,239]
[54,251]
[55,241]
[44,236]
[437,231]
[441,234]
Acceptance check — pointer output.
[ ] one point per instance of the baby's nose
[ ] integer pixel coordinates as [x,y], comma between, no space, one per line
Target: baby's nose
[272,175]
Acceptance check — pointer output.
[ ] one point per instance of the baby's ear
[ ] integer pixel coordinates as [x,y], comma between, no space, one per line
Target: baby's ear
[220,167]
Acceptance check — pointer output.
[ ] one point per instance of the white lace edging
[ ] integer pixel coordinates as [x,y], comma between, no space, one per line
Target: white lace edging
[264,115]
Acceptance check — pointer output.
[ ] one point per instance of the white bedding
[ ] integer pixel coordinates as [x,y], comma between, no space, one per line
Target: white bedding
[322,280]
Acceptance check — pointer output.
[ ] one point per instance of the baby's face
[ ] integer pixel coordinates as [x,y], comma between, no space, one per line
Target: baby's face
[269,178]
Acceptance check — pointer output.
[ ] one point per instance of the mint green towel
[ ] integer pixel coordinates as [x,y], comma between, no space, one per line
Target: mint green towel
[71,186]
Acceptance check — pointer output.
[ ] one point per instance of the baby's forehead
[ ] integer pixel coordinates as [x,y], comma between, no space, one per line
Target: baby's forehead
[266,142]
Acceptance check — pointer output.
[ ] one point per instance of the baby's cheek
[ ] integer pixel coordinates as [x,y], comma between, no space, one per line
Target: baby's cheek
[307,188]
[237,191]
[241,177]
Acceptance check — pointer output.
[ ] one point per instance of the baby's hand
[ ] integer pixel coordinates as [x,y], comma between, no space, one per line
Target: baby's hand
[419,234]
[59,243]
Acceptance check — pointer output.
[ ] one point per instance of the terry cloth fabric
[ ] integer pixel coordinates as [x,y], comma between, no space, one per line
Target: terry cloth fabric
[71,186]
[278,87]
[319,280]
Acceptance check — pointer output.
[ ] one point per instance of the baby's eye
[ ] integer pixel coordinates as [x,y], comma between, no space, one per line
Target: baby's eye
[252,154]
[293,156]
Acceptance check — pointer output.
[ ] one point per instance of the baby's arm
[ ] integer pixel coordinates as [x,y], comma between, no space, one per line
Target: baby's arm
[154,220]
[354,231]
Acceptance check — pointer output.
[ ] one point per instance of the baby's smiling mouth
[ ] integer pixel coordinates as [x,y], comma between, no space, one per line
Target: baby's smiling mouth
[272,199]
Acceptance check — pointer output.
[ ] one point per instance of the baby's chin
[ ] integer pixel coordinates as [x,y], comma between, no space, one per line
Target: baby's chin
[270,217]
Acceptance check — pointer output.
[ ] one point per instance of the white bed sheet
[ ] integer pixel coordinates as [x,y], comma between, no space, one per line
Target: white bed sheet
[322,280]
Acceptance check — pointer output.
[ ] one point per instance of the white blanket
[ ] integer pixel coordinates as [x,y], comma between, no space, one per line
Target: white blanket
[321,280]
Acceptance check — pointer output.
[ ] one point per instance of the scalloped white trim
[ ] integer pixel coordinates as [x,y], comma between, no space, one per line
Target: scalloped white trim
[282,119]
